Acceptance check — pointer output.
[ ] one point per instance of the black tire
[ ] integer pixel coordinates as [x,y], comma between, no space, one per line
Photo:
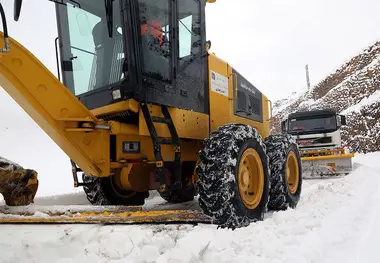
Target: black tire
[103,191]
[219,195]
[179,195]
[188,192]
[278,149]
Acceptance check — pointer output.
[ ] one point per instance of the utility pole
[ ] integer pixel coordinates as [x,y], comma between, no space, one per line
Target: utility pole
[307,76]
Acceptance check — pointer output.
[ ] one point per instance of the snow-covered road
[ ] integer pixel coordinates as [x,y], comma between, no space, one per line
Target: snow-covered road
[337,220]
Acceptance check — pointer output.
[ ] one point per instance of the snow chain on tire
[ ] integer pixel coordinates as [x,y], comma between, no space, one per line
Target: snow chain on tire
[278,147]
[219,195]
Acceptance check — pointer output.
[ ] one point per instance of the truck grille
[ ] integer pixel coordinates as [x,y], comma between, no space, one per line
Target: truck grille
[310,141]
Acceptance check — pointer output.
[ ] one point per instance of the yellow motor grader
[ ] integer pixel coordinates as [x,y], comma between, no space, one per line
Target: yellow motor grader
[141,104]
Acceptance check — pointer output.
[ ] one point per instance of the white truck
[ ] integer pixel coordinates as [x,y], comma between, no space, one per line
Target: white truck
[318,136]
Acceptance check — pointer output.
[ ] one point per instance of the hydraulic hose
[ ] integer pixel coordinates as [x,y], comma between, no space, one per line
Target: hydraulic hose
[5,30]
[4,20]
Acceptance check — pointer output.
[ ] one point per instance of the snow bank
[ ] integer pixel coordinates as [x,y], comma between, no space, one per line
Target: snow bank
[282,104]
[367,101]
[336,221]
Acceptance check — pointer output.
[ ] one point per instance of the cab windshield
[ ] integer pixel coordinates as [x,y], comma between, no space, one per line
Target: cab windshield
[94,59]
[314,125]
[93,62]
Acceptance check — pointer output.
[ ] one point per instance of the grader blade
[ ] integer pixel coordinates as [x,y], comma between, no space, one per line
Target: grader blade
[97,215]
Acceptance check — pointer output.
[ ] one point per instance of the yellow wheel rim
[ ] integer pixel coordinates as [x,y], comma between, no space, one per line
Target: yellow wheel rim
[251,178]
[292,172]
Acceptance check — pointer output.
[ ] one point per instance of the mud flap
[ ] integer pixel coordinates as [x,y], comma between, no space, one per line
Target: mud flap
[327,165]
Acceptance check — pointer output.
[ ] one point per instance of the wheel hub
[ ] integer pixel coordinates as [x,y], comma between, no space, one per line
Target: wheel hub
[245,181]
[292,172]
[251,178]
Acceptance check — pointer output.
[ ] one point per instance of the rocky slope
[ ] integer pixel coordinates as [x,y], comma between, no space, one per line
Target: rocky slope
[353,90]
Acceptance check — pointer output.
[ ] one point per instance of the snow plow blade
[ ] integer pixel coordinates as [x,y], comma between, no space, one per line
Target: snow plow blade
[97,215]
[326,164]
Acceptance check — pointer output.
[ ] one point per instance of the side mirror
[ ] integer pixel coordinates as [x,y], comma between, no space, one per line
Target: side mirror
[343,119]
[208,44]
[17,9]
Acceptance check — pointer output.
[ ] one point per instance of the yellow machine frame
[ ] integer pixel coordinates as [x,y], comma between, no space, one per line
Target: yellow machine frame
[175,146]
[84,136]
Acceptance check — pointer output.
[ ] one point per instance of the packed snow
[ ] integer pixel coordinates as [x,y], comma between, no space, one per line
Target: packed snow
[366,101]
[280,105]
[336,221]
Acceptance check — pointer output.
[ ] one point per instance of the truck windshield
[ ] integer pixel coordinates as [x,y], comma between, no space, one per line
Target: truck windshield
[314,125]
[91,59]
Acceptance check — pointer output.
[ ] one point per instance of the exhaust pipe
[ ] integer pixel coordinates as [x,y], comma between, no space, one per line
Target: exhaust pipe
[17,9]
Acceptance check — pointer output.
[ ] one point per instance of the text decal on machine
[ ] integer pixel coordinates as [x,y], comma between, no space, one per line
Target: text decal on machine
[219,83]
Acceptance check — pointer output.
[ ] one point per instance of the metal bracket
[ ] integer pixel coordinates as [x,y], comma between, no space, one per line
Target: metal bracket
[75,171]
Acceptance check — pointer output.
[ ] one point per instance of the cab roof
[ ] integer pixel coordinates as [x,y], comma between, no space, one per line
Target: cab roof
[313,113]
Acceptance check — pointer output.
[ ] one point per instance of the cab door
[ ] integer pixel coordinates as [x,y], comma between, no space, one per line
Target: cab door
[173,59]
[192,57]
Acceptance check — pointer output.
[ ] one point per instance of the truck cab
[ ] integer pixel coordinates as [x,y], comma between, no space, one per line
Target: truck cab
[315,130]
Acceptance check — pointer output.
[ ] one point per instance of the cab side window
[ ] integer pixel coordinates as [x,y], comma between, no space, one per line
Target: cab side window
[189,29]
[155,42]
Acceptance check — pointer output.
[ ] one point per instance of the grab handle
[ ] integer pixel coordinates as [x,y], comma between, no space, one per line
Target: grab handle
[271,109]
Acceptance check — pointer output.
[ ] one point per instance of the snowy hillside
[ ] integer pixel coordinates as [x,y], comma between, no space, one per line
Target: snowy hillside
[336,221]
[354,90]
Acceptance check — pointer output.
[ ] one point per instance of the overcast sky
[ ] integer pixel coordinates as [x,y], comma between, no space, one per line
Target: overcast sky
[269,41]
[274,39]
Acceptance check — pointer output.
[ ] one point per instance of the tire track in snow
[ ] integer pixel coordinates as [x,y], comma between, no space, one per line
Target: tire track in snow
[342,225]
[326,217]
[367,245]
